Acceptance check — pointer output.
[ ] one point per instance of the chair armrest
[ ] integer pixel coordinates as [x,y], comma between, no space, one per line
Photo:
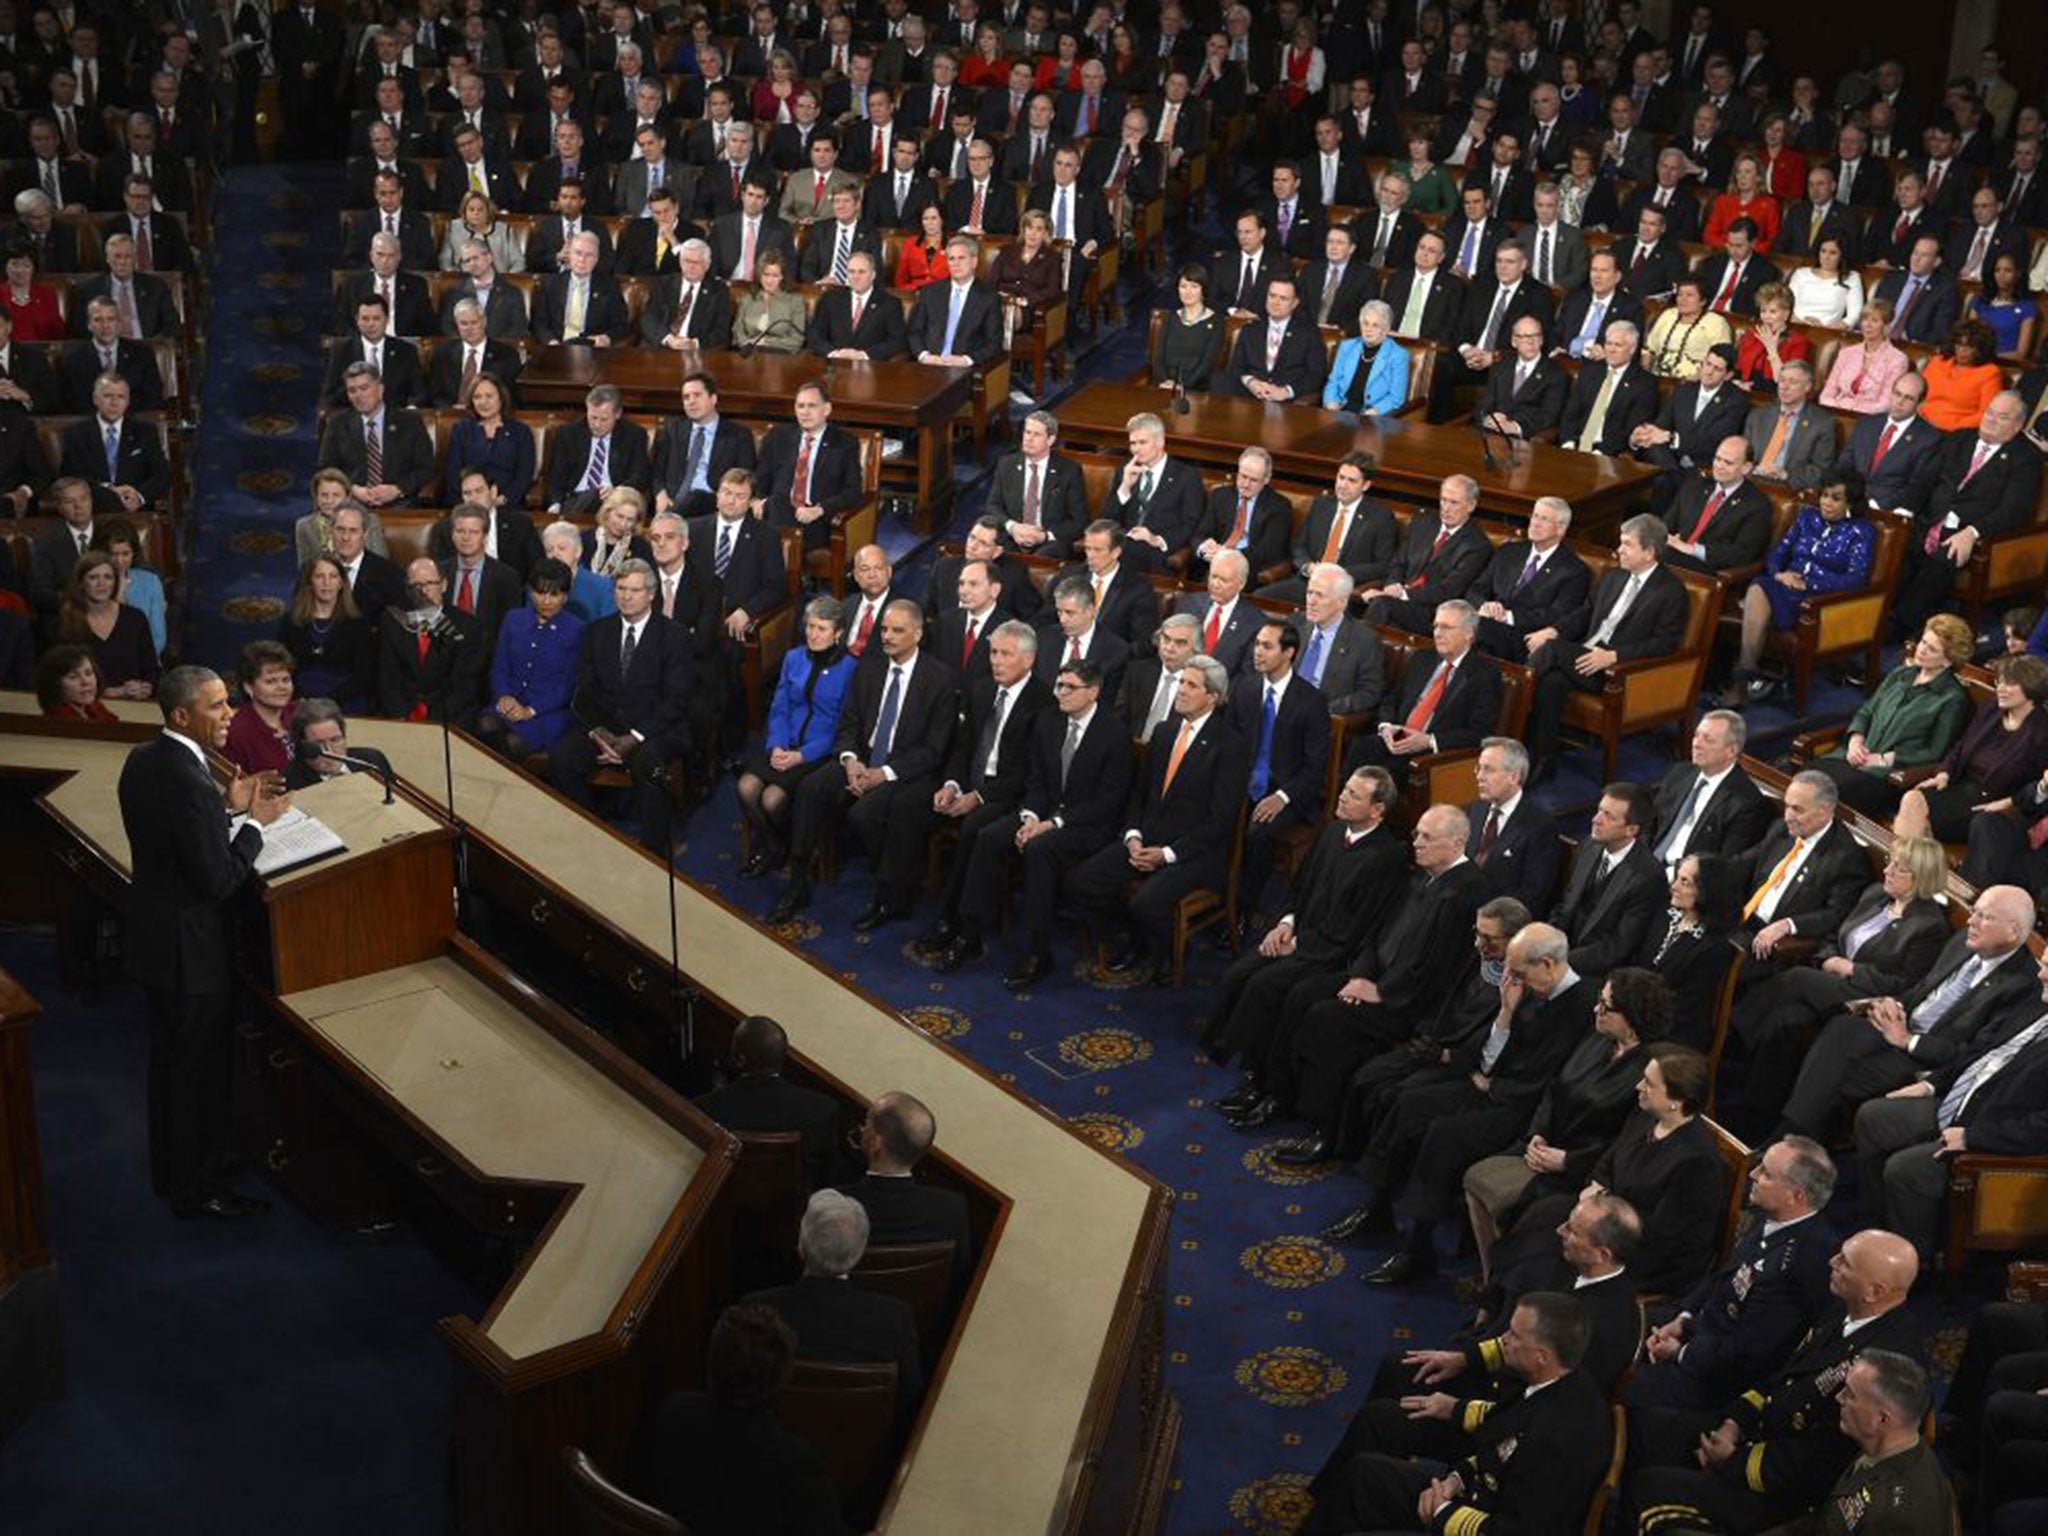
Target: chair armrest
[1906,778]
[1811,744]
[1735,576]
[2026,1280]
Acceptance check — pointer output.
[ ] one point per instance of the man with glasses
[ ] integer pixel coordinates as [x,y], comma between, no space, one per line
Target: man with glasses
[430,659]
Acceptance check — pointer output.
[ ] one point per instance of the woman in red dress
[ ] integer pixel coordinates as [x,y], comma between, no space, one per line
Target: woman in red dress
[1746,199]
[31,305]
[68,686]
[923,258]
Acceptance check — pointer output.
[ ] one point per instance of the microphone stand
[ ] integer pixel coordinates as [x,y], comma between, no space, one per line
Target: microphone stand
[446,633]
[1485,439]
[362,764]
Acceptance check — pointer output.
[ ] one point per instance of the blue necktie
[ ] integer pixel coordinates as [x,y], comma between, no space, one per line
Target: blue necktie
[724,555]
[693,477]
[953,307]
[113,455]
[1312,660]
[1591,328]
[1262,765]
[885,722]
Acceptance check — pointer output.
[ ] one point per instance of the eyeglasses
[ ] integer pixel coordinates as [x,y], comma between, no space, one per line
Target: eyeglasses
[1066,687]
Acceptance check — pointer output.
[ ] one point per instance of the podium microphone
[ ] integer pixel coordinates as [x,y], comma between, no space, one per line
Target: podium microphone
[313,752]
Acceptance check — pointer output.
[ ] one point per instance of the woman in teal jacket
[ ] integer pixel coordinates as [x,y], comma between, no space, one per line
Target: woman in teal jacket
[1370,376]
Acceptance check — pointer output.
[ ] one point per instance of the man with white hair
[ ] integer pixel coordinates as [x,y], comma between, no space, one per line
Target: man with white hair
[1245,514]
[55,245]
[1531,583]
[834,1318]
[503,305]
[1975,486]
[581,304]
[1227,622]
[692,309]
[404,292]
[470,352]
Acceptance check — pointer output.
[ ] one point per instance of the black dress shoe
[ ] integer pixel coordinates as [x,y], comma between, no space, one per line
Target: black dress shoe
[876,915]
[1027,972]
[1360,1220]
[1243,1096]
[757,865]
[1121,958]
[937,939]
[958,953]
[1254,1115]
[793,901]
[1307,1152]
[225,1206]
[1401,1269]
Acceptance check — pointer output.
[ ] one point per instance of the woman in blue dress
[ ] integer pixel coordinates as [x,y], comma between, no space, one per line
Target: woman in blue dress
[1370,375]
[590,595]
[1827,549]
[533,673]
[490,439]
[802,720]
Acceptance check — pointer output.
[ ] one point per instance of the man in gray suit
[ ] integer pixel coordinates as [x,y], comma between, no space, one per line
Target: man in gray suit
[1557,251]
[1341,656]
[1792,442]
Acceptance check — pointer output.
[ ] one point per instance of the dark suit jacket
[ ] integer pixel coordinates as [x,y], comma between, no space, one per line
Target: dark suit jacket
[1468,712]
[2000,1003]
[1999,498]
[1369,543]
[766,1101]
[1106,649]
[1825,887]
[1713,273]
[652,699]
[1020,726]
[416,249]
[139,459]
[1358,284]
[1577,307]
[1837,224]
[21,458]
[1558,588]
[1062,498]
[404,382]
[415,316]
[1525,855]
[1230,291]
[1634,398]
[1739,534]
[544,178]
[604,315]
[728,238]
[154,310]
[518,543]
[1697,434]
[1934,311]
[1172,511]
[924,721]
[1730,823]
[1530,298]
[504,309]
[179,930]
[907,1210]
[1892,483]
[408,455]
[53,390]
[1266,532]
[1662,268]
[379,584]
[880,333]
[1447,573]
[498,593]
[544,243]
[169,250]
[1894,958]
[451,679]
[1653,626]
[880,208]
[1301,365]
[756,578]
[1198,815]
[835,1319]
[979,334]
[835,477]
[1096,787]
[1234,640]
[569,457]
[1539,406]
[731,447]
[444,371]
[2005,1115]
[710,315]
[1300,752]
[1440,311]
[1607,924]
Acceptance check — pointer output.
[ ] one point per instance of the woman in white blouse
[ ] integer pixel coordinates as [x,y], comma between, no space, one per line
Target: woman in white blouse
[1830,292]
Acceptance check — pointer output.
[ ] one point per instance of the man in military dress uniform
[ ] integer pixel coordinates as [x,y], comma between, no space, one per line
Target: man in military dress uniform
[1539,1453]
[1774,1452]
[1895,1486]
[1739,1322]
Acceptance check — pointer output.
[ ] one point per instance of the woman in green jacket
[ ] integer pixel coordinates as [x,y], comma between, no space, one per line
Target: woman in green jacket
[1913,718]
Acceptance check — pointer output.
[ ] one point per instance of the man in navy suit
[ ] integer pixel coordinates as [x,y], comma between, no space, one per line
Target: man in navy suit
[1887,451]
[692,452]
[582,304]
[1923,297]
[1280,357]
[1492,310]
[743,552]
[1079,630]
[1442,553]
[1227,624]
[1449,698]
[180,933]
[958,323]
[808,470]
[120,459]
[1513,840]
[633,686]
[1974,486]
[1245,514]
[1155,498]
[396,360]
[894,735]
[1178,829]
[1285,723]
[587,458]
[853,321]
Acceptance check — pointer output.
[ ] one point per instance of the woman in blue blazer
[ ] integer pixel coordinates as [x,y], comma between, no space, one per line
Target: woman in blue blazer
[491,440]
[1384,389]
[802,720]
[533,673]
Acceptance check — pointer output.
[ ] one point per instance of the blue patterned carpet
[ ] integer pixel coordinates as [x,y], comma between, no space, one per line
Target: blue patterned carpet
[312,1359]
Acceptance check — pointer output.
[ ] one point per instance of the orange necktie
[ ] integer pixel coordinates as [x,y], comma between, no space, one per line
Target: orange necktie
[1180,750]
[1425,707]
[1777,874]
[1335,542]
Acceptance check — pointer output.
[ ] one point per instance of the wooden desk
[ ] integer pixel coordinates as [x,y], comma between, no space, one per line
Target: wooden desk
[903,398]
[1307,443]
[1048,1411]
[31,1321]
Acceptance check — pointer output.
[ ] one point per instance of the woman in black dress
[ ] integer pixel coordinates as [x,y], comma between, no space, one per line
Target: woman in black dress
[92,614]
[1190,338]
[1663,1163]
[1582,1111]
[1691,949]
[333,647]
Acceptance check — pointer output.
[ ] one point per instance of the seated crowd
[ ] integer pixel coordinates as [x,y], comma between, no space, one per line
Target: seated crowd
[1153,703]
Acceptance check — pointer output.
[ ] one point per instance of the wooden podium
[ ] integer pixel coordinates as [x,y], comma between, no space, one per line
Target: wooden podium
[31,1325]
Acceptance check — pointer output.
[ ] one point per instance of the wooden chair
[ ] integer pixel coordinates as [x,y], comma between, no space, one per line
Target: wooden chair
[1203,909]
[1610,1482]
[848,1411]
[1724,1010]
[1657,690]
[849,530]
[1735,1164]
[1833,625]
[920,1275]
[767,1204]
[593,1505]
[1994,1203]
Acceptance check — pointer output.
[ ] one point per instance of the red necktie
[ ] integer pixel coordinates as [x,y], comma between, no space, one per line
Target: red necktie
[1884,445]
[1213,629]
[1433,695]
[867,627]
[818,192]
[1707,515]
[938,110]
[876,162]
[800,482]
[735,183]
[1728,286]
[423,641]
[1073,653]
[465,593]
[1244,517]
[967,645]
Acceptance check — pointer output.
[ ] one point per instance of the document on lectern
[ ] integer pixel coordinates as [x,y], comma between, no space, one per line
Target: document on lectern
[293,840]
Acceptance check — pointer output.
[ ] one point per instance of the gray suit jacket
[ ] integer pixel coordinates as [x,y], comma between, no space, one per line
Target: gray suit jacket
[1354,674]
[1809,449]
[1567,262]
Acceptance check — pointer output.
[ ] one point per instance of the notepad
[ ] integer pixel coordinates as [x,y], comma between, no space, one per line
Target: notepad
[293,840]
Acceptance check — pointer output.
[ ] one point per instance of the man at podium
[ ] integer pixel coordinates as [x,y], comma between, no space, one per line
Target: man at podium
[184,867]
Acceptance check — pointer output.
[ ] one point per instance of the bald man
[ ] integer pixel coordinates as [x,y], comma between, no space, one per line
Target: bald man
[1974,486]
[757,1097]
[1775,1451]
[894,1137]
